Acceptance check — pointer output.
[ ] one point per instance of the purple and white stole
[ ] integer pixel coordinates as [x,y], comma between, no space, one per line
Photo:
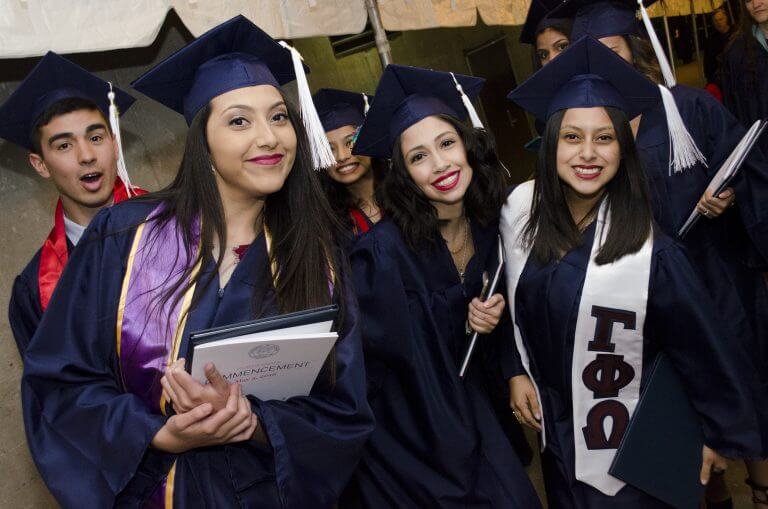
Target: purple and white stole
[608,342]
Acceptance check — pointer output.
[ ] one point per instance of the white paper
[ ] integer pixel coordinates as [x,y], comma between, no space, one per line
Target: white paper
[268,365]
[728,170]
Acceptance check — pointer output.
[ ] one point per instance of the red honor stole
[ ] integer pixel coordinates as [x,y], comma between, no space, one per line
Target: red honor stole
[360,224]
[54,255]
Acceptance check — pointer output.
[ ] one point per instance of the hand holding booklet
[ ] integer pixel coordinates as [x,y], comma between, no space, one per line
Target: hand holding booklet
[277,357]
[728,170]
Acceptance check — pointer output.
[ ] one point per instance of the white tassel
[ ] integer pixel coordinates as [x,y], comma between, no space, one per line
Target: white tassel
[366,106]
[114,124]
[684,153]
[322,155]
[683,150]
[476,122]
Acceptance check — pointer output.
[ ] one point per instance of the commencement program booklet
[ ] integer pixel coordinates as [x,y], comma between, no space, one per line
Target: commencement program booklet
[272,358]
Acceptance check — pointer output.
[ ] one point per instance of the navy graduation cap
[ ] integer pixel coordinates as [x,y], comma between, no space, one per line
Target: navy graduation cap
[53,79]
[538,19]
[601,18]
[235,54]
[585,75]
[605,18]
[405,95]
[337,108]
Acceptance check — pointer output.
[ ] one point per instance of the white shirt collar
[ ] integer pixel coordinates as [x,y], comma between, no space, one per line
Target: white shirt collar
[73,230]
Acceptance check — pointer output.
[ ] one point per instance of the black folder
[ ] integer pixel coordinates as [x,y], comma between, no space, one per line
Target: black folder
[660,453]
[298,318]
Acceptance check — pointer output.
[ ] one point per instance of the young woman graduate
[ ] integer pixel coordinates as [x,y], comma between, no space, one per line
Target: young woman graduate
[350,183]
[547,35]
[583,254]
[437,441]
[216,247]
[63,115]
[744,66]
[730,249]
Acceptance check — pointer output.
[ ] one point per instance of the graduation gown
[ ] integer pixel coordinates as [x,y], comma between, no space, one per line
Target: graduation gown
[730,251]
[744,93]
[437,442]
[24,311]
[91,438]
[680,322]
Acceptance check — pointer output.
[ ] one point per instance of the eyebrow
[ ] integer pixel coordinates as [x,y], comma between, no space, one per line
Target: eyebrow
[89,129]
[577,128]
[436,138]
[250,108]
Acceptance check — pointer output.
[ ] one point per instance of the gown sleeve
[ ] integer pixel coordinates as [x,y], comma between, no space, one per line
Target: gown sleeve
[381,292]
[23,312]
[314,441]
[86,434]
[724,132]
[718,376]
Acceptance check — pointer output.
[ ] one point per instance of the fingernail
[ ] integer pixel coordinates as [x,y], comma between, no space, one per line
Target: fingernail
[538,416]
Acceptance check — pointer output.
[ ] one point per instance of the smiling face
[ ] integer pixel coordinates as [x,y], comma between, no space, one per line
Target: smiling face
[349,168]
[79,155]
[252,142]
[436,160]
[588,152]
[549,44]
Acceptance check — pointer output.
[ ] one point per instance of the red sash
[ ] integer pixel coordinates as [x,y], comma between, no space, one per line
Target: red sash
[54,255]
[360,224]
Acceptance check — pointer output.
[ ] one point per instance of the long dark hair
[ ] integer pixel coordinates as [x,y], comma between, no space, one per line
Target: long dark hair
[410,209]
[298,217]
[339,197]
[644,58]
[749,45]
[551,230]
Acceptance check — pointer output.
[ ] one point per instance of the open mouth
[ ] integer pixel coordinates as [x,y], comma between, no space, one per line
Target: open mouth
[347,168]
[588,172]
[92,181]
[447,181]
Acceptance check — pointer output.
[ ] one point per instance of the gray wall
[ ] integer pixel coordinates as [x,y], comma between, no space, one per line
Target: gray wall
[153,138]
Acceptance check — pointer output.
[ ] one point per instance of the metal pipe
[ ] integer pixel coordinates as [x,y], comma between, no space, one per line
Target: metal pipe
[699,63]
[380,35]
[669,44]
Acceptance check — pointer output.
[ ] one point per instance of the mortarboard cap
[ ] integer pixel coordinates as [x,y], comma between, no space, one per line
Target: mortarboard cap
[601,18]
[233,55]
[405,95]
[538,19]
[337,108]
[585,75]
[53,79]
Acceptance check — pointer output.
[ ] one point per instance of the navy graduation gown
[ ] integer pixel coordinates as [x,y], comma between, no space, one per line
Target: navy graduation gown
[744,92]
[729,252]
[91,439]
[680,321]
[24,310]
[437,442]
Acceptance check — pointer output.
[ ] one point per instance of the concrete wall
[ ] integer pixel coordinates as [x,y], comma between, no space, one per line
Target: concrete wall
[153,138]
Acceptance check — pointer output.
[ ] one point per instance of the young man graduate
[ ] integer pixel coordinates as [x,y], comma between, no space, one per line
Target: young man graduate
[61,114]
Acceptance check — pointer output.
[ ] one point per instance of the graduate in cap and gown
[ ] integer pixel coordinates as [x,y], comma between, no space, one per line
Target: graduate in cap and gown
[112,418]
[417,275]
[350,183]
[548,38]
[744,66]
[596,290]
[66,118]
[683,141]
